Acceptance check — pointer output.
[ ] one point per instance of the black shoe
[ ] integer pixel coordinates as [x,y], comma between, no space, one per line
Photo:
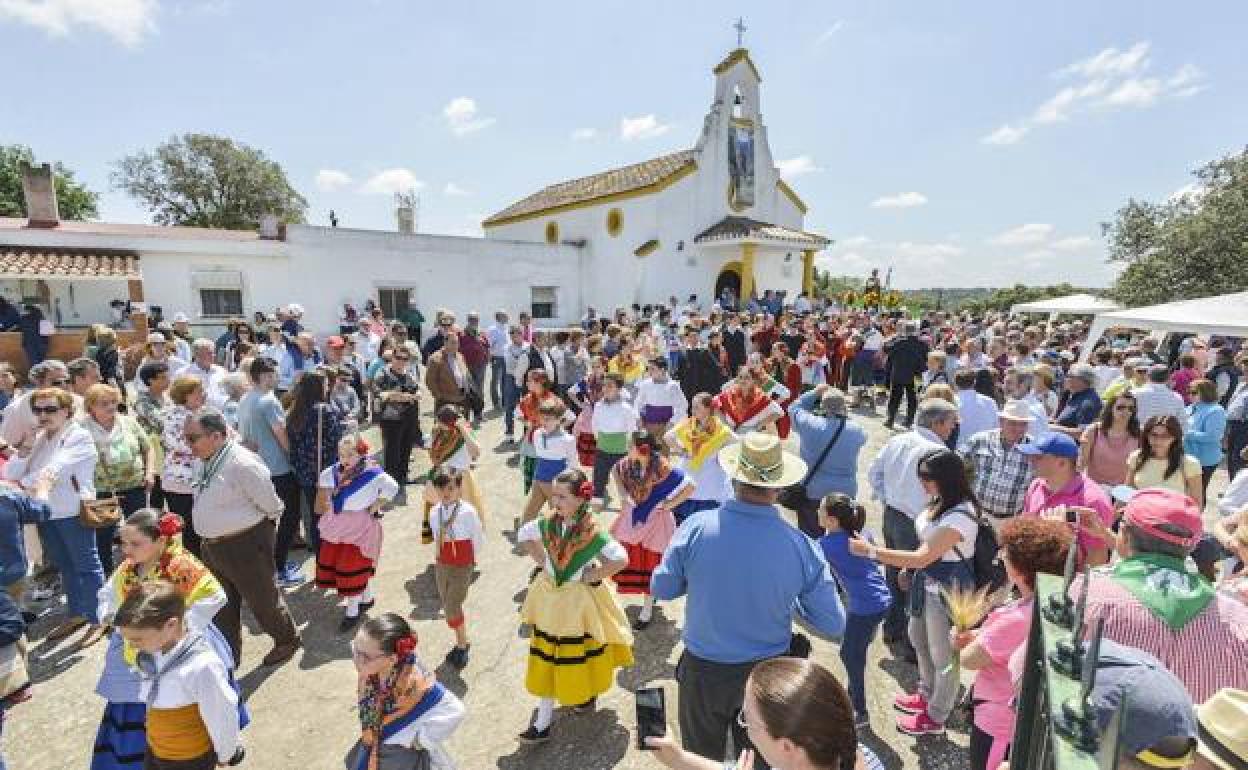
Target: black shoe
[368,605]
[348,622]
[534,735]
[586,707]
[29,617]
[641,625]
[458,657]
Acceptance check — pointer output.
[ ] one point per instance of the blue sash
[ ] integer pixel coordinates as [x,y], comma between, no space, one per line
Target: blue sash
[659,493]
[340,496]
[430,699]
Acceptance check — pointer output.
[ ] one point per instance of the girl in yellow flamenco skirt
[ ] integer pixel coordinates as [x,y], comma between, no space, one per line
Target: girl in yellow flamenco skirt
[580,634]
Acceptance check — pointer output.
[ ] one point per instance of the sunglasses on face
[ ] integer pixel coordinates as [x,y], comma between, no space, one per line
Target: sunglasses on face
[1124,408]
[45,409]
[59,383]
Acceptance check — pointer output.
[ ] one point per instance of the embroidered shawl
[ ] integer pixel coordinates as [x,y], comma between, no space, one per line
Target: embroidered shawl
[571,542]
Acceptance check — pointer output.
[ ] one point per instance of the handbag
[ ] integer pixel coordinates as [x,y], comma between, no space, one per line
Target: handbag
[795,497]
[98,513]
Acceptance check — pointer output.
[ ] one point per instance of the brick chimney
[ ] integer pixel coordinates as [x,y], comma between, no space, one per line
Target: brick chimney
[39,187]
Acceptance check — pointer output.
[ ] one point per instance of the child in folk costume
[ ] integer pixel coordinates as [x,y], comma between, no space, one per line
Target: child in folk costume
[554,449]
[614,418]
[585,394]
[192,705]
[537,384]
[697,440]
[153,553]
[406,716]
[627,363]
[783,369]
[812,360]
[459,536]
[745,405]
[660,403]
[453,446]
[580,634]
[351,496]
[650,489]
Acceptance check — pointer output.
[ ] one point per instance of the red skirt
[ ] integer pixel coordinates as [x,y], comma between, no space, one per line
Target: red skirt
[635,578]
[342,567]
[586,448]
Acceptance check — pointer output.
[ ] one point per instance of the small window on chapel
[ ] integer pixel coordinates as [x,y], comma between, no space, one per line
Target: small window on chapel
[615,222]
[552,232]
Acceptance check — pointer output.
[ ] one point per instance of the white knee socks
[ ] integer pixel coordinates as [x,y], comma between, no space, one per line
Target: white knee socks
[354,602]
[647,609]
[545,713]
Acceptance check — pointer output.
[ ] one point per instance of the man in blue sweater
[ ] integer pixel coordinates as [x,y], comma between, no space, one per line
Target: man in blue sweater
[18,509]
[746,571]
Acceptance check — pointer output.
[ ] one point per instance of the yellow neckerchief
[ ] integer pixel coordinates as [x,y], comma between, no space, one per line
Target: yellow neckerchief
[702,444]
[177,566]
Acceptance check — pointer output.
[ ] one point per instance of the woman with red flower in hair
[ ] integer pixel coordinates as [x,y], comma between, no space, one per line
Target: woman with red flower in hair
[580,635]
[651,489]
[351,495]
[153,552]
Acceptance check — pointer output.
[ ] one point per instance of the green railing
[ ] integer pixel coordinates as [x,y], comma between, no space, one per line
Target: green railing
[1055,728]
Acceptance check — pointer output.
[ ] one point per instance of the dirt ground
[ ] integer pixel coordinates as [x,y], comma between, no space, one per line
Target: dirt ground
[304,712]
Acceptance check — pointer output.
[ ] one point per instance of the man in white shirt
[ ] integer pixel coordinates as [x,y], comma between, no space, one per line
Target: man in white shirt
[976,411]
[1157,397]
[496,335]
[894,481]
[801,304]
[209,374]
[516,357]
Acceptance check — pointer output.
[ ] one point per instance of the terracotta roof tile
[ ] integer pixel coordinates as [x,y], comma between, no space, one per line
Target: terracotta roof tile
[740,228]
[607,183]
[145,231]
[28,262]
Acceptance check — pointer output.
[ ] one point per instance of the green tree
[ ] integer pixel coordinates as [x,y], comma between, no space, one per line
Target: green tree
[1193,246]
[209,181]
[834,286]
[73,199]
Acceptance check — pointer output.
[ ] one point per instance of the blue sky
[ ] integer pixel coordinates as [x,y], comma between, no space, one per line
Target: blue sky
[962,143]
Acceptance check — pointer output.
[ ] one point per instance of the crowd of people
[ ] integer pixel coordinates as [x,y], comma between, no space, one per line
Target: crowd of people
[160,489]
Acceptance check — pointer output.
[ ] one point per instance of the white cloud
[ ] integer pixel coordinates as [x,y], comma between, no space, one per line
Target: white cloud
[392,180]
[331,180]
[1023,235]
[1191,189]
[126,21]
[854,241]
[1073,243]
[934,252]
[584,134]
[802,164]
[1039,255]
[453,190]
[903,200]
[1110,80]
[642,127]
[1005,134]
[829,33]
[462,118]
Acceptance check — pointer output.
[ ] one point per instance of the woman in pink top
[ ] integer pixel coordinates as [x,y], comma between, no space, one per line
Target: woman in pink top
[1029,546]
[1106,443]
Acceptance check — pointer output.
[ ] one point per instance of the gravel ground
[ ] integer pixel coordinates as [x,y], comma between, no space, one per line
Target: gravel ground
[304,712]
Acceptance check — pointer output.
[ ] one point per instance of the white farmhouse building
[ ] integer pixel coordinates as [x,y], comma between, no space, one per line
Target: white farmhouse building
[693,221]
[690,222]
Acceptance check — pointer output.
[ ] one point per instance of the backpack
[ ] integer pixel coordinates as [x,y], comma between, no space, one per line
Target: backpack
[985,563]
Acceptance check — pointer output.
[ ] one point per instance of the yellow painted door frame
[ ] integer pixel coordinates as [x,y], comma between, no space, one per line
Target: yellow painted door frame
[747,271]
[808,272]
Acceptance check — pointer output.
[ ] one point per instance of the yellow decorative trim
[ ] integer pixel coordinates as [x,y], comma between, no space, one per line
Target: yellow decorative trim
[552,231]
[741,122]
[740,54]
[747,271]
[808,271]
[647,248]
[638,192]
[789,193]
[615,222]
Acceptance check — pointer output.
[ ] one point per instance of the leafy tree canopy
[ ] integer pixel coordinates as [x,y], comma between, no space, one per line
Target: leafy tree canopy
[73,200]
[209,181]
[1194,245]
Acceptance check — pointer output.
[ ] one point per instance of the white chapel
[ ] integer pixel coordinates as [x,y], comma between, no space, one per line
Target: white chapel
[690,222]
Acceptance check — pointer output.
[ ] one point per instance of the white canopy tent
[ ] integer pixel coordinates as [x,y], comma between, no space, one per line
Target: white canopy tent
[1225,315]
[1071,304]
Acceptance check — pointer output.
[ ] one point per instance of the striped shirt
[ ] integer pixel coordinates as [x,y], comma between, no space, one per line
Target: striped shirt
[1207,654]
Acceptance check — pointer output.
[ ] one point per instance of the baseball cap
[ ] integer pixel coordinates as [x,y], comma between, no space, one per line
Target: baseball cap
[1223,724]
[1056,444]
[1158,707]
[1149,509]
[336,341]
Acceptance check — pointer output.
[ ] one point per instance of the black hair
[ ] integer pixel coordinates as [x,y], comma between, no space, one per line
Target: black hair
[150,606]
[659,362]
[644,438]
[147,521]
[945,468]
[443,477]
[387,629]
[151,370]
[850,516]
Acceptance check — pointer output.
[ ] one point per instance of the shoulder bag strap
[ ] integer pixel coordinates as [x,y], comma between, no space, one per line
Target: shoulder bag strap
[824,454]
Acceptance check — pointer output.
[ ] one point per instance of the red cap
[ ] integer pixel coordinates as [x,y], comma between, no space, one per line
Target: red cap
[336,342]
[1150,508]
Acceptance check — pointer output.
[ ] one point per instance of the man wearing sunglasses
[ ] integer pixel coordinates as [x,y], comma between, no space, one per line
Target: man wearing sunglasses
[19,424]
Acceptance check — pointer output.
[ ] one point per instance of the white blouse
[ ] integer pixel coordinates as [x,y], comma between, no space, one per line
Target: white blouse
[202,680]
[382,487]
[433,729]
[612,551]
[466,526]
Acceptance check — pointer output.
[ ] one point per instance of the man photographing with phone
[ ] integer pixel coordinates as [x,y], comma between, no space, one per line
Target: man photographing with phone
[1059,483]
[745,569]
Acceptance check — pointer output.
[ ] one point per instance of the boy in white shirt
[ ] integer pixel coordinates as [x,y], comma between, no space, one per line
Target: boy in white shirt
[660,403]
[614,418]
[555,451]
[459,536]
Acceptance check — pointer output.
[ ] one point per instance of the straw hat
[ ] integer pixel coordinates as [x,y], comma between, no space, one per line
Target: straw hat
[1017,411]
[759,460]
[1224,729]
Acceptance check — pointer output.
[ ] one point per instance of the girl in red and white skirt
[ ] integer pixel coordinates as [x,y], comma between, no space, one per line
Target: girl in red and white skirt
[459,536]
[352,494]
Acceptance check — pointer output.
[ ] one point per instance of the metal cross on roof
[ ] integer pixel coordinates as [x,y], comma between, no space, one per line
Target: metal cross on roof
[740,28]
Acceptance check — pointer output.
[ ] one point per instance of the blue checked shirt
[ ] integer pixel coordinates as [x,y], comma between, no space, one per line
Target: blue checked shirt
[1001,475]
